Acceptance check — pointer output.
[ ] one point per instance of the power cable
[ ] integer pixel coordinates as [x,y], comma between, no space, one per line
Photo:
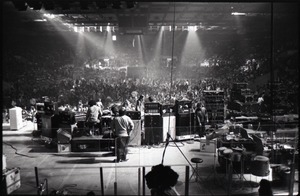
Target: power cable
[16,151]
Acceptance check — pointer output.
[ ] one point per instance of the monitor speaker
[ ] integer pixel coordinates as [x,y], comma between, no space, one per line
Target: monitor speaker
[63,136]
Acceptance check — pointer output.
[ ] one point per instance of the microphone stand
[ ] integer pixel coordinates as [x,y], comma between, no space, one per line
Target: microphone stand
[196,173]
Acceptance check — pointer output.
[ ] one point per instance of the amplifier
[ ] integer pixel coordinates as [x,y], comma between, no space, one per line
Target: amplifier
[152,108]
[134,115]
[183,106]
[49,108]
[167,108]
[40,108]
[12,180]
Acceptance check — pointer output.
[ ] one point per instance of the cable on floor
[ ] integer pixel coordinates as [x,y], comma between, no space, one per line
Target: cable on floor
[16,151]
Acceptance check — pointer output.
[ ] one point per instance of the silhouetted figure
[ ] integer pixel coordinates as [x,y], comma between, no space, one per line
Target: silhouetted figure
[265,188]
[161,180]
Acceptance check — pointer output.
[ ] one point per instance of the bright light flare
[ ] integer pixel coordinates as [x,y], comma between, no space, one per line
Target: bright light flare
[238,14]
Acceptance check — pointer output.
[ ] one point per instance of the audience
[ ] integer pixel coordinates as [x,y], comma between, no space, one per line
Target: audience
[54,74]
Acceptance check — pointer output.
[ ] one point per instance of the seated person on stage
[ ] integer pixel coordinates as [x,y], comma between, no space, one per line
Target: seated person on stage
[93,117]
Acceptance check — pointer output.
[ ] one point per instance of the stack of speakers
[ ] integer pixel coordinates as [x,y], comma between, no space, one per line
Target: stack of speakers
[185,120]
[214,103]
[153,124]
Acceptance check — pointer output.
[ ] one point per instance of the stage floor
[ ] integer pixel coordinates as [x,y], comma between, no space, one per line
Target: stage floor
[77,173]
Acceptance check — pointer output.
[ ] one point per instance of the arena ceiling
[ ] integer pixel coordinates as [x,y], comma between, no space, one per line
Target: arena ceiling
[216,17]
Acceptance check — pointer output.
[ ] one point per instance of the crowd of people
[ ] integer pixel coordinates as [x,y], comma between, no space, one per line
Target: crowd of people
[58,75]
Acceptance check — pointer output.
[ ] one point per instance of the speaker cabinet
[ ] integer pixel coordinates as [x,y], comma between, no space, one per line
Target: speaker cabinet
[50,124]
[185,124]
[135,137]
[153,121]
[153,129]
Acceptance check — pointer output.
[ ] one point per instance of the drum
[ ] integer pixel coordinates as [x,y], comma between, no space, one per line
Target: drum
[260,166]
[227,153]
[221,150]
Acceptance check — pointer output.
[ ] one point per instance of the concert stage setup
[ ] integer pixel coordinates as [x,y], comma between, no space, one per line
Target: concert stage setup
[211,89]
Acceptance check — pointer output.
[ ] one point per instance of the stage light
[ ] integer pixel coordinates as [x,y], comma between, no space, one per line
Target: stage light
[238,14]
[20,5]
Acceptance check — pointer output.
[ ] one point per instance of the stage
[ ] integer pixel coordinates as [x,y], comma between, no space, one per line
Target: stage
[79,172]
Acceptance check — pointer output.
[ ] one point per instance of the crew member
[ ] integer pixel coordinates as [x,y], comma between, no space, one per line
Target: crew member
[202,118]
[93,117]
[122,127]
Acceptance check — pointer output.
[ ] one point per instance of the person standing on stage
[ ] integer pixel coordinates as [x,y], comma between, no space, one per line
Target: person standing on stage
[202,118]
[122,126]
[93,117]
[140,104]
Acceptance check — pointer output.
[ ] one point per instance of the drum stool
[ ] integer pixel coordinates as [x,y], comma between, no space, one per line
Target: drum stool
[196,170]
